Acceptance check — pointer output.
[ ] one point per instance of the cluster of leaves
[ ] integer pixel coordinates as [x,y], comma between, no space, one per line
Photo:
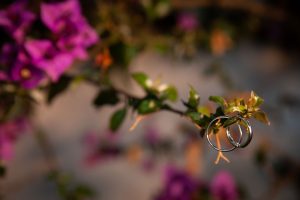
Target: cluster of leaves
[157,96]
[155,99]
[234,109]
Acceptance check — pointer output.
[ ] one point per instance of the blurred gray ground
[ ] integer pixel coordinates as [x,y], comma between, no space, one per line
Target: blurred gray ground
[274,75]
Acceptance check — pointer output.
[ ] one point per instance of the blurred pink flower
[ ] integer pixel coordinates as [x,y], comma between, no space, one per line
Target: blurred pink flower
[16,20]
[69,26]
[151,136]
[48,58]
[25,72]
[6,148]
[187,21]
[101,148]
[178,185]
[9,134]
[223,187]
[3,76]
[18,66]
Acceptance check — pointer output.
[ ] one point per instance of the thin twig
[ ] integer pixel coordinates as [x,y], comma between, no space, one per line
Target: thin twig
[220,153]
[136,122]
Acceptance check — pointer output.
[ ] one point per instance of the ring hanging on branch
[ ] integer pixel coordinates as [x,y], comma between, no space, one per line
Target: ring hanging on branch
[228,113]
[235,144]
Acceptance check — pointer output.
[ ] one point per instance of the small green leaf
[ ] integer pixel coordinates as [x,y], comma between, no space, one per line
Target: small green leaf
[204,121]
[232,109]
[106,97]
[122,53]
[169,93]
[262,117]
[148,106]
[142,79]
[203,110]
[57,88]
[218,100]
[259,102]
[117,119]
[195,116]
[230,121]
[255,100]
[194,98]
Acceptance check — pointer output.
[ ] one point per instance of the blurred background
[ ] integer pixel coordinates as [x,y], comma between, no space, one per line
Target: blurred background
[220,47]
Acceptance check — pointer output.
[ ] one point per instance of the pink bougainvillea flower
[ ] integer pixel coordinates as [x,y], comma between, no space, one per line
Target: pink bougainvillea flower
[179,185]
[73,33]
[24,72]
[48,58]
[16,20]
[6,148]
[9,133]
[187,21]
[101,148]
[223,187]
[151,136]
[3,76]
[18,67]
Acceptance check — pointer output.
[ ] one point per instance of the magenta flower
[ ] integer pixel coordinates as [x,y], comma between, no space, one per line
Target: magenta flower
[7,57]
[48,58]
[16,20]
[187,21]
[74,34]
[6,148]
[18,67]
[151,136]
[3,76]
[8,54]
[101,148]
[223,187]
[9,133]
[24,72]
[179,185]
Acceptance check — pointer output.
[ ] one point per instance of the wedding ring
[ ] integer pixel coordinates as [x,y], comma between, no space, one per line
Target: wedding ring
[207,132]
[249,132]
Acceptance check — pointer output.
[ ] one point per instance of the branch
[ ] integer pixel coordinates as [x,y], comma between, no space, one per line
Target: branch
[220,153]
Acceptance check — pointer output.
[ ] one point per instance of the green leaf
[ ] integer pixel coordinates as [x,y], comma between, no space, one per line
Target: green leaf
[117,119]
[57,88]
[218,100]
[230,121]
[262,117]
[195,116]
[82,191]
[255,100]
[204,121]
[148,106]
[142,79]
[232,109]
[169,93]
[106,97]
[203,110]
[122,53]
[194,98]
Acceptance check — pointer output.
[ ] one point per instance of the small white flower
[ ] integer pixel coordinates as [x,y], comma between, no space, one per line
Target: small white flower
[162,87]
[149,83]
